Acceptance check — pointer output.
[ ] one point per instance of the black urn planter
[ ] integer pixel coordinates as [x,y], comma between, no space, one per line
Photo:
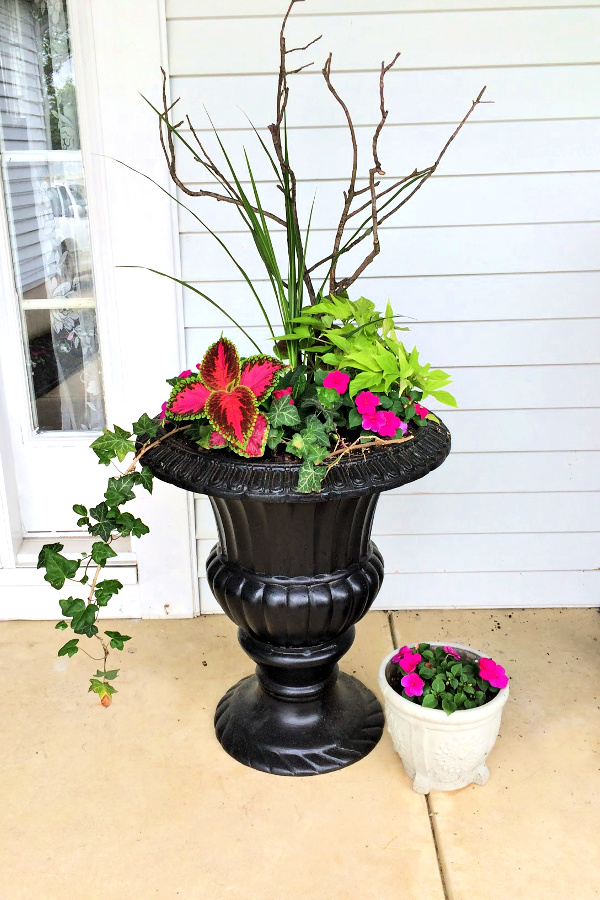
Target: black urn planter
[296,572]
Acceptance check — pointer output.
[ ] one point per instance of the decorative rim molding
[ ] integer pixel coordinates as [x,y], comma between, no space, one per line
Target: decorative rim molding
[220,473]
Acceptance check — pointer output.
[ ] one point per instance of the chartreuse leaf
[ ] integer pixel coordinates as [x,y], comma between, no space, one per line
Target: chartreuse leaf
[59,568]
[70,648]
[117,639]
[111,444]
[310,477]
[282,412]
[105,590]
[101,552]
[145,426]
[104,691]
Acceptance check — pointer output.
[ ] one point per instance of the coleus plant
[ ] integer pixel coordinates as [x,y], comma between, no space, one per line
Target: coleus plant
[440,678]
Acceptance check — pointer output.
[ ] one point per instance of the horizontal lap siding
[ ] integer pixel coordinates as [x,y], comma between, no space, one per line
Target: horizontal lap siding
[496,262]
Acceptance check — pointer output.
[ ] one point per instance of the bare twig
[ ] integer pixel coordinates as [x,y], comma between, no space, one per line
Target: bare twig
[361,444]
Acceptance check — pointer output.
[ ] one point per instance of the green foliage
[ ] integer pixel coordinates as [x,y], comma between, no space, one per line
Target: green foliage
[145,426]
[101,552]
[58,567]
[107,589]
[70,648]
[113,444]
[283,413]
[310,477]
[101,688]
[117,639]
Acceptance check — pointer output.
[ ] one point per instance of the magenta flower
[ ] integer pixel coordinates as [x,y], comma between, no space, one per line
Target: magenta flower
[374,421]
[337,381]
[163,410]
[185,374]
[409,662]
[492,672]
[451,652]
[401,652]
[421,411]
[413,685]
[366,403]
[282,393]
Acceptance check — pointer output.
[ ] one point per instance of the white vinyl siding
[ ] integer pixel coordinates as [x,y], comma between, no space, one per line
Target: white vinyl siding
[496,260]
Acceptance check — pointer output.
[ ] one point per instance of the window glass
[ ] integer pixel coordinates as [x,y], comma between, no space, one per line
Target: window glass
[44,189]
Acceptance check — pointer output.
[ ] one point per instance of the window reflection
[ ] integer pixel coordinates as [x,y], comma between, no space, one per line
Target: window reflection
[44,186]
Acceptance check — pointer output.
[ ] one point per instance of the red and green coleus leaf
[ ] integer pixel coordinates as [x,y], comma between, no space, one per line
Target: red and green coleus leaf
[187,401]
[220,368]
[256,443]
[259,374]
[233,413]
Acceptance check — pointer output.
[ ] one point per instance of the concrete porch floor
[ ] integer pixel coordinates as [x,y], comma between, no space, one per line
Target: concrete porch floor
[139,801]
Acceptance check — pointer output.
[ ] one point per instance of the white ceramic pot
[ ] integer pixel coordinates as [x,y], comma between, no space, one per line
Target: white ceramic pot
[442,752]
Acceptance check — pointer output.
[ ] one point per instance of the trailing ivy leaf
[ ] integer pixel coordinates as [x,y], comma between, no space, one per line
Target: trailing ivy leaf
[283,413]
[83,520]
[430,701]
[101,552]
[146,478]
[71,606]
[119,489]
[84,622]
[128,524]
[106,589]
[47,548]
[59,568]
[84,580]
[111,444]
[310,477]
[145,426]
[70,648]
[104,691]
[105,524]
[328,397]
[60,626]
[108,676]
[296,445]
[315,453]
[117,639]
[316,431]
[79,509]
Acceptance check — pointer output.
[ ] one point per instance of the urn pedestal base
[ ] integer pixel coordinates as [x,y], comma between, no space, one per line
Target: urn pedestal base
[298,715]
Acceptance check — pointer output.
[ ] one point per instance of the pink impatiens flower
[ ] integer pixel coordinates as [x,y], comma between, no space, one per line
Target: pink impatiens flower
[409,662]
[492,672]
[413,685]
[401,652]
[373,421]
[283,393]
[366,403]
[163,410]
[421,411]
[451,652]
[337,381]
[185,374]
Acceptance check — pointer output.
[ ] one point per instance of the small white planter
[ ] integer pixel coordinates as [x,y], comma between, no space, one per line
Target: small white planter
[442,752]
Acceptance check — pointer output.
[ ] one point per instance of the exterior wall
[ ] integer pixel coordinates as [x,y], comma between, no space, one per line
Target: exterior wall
[496,259]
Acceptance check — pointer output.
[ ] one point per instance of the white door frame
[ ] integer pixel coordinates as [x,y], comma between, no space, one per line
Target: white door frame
[117,51]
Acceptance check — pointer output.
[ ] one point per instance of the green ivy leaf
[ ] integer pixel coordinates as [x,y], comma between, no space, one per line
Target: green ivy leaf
[105,523]
[61,626]
[70,648]
[108,676]
[310,477]
[117,639]
[79,509]
[83,520]
[274,438]
[84,622]
[283,413]
[105,590]
[328,397]
[111,444]
[71,606]
[145,426]
[119,489]
[101,552]
[127,524]
[146,478]
[59,568]
[47,548]
[315,431]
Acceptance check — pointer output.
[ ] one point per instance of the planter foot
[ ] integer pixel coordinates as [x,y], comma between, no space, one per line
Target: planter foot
[421,784]
[481,775]
[333,730]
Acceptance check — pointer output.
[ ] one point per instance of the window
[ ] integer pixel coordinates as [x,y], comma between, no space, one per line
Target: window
[44,189]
